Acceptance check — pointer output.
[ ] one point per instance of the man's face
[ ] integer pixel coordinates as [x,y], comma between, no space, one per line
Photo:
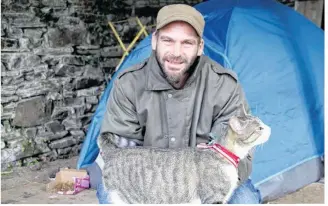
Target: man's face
[176,46]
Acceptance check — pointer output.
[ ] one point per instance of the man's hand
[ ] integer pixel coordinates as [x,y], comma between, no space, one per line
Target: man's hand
[125,142]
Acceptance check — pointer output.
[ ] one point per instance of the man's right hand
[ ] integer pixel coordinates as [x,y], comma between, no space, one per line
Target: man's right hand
[125,142]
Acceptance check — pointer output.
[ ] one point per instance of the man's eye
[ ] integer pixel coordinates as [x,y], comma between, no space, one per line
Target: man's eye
[167,40]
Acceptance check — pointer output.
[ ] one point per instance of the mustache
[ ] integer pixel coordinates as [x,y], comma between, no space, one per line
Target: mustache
[175,59]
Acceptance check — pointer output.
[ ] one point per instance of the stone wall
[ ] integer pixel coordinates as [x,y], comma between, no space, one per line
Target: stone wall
[56,57]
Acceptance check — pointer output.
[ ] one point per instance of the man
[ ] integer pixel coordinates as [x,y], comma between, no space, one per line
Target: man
[177,96]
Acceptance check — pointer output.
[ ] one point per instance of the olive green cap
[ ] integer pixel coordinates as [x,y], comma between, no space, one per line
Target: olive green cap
[181,12]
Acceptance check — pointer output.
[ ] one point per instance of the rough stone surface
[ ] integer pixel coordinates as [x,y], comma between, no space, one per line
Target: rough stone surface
[48,136]
[62,112]
[62,143]
[3,144]
[54,126]
[64,151]
[31,132]
[31,112]
[93,91]
[72,123]
[91,100]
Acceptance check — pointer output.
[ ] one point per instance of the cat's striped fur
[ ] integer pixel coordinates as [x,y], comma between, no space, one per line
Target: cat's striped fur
[172,176]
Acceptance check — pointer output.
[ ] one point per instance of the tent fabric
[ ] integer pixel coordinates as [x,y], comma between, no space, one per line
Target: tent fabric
[278,56]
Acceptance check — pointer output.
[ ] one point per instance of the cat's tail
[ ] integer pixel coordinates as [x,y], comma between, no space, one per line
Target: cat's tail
[107,141]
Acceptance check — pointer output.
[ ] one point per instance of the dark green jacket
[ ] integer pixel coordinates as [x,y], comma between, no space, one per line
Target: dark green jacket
[144,107]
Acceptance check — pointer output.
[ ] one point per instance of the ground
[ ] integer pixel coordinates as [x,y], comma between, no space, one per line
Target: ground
[24,186]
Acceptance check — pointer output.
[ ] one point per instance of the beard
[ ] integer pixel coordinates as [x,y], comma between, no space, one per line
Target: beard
[175,78]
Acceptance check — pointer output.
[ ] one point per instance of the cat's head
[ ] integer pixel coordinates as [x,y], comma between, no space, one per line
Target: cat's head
[245,132]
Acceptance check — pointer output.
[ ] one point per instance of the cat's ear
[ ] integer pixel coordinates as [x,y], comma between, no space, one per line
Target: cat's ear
[235,124]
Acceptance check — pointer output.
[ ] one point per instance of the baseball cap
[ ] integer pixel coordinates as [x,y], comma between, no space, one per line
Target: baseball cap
[181,12]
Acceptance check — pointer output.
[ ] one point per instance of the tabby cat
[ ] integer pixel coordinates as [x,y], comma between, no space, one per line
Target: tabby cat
[146,175]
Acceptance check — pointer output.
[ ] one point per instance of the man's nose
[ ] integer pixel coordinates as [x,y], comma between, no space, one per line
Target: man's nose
[177,49]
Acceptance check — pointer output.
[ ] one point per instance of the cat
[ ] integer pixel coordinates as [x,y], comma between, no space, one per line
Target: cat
[147,175]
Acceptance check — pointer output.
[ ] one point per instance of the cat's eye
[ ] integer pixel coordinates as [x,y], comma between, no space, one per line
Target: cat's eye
[261,128]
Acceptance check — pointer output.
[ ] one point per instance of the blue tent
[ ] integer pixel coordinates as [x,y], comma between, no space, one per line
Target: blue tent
[278,55]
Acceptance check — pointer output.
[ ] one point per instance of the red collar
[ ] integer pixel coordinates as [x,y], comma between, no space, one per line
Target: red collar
[231,157]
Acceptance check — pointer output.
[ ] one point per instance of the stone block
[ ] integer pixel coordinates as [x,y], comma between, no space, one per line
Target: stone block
[32,112]
[114,51]
[41,71]
[80,110]
[93,91]
[69,93]
[64,151]
[69,20]
[73,60]
[34,36]
[6,80]
[30,132]
[33,33]
[76,150]
[71,123]
[62,112]
[54,96]
[110,63]
[8,111]
[22,149]
[41,86]
[54,60]
[18,17]
[15,142]
[25,44]
[49,156]
[54,126]
[3,144]
[53,51]
[13,98]
[51,3]
[14,32]
[21,61]
[49,136]
[12,73]
[87,82]
[69,35]
[71,102]
[26,20]
[9,44]
[63,143]
[91,100]
[86,118]
[64,70]
[41,145]
[88,107]
[17,80]
[76,133]
[9,155]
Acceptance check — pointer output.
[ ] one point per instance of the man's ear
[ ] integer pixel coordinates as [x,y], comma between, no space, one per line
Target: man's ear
[154,40]
[201,47]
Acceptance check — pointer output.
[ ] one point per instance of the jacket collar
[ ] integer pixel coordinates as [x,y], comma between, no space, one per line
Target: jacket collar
[155,78]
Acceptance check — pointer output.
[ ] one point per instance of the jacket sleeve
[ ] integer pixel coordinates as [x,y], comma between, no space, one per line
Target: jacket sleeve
[235,101]
[120,117]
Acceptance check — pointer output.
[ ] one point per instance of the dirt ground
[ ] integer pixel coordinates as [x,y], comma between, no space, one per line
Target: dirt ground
[24,186]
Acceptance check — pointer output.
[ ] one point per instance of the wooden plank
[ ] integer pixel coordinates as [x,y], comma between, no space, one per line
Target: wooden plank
[312,9]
